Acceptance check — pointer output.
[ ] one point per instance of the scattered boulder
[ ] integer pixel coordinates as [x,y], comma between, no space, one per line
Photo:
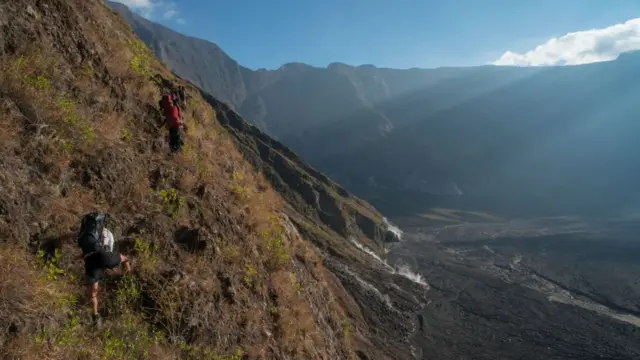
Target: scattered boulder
[391,237]
[191,240]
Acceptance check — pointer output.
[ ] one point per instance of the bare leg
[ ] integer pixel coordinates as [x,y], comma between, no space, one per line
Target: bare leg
[92,294]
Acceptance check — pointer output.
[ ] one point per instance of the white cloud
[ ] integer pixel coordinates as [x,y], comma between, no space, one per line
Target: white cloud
[169,14]
[136,4]
[153,9]
[581,47]
[144,8]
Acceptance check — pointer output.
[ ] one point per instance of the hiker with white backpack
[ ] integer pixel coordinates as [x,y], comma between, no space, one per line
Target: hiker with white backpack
[96,242]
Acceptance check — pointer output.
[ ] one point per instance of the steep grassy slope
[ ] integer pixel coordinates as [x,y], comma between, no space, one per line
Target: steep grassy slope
[221,270]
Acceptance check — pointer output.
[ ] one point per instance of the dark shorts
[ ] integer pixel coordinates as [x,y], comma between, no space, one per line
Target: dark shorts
[175,139]
[94,265]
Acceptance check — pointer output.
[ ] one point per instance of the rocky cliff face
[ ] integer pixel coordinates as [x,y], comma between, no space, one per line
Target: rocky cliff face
[305,188]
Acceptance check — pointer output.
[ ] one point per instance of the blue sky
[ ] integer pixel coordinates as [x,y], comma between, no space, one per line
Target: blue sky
[398,33]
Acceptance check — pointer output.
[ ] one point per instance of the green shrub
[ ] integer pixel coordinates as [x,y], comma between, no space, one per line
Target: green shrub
[39,82]
[141,60]
[67,146]
[171,201]
[237,188]
[229,251]
[240,191]
[127,294]
[18,64]
[67,334]
[87,132]
[128,339]
[87,70]
[69,111]
[145,250]
[237,176]
[126,134]
[250,276]
[50,265]
[66,302]
[65,106]
[274,239]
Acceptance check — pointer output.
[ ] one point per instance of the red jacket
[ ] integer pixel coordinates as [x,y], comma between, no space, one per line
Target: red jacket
[171,113]
[173,116]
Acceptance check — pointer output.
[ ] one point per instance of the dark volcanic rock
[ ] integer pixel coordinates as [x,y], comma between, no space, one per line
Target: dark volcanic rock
[495,300]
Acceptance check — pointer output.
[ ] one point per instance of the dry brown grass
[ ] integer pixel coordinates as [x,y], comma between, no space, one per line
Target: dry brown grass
[26,296]
[295,323]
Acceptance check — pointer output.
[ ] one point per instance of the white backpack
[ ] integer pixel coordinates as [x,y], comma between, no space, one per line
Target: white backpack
[107,239]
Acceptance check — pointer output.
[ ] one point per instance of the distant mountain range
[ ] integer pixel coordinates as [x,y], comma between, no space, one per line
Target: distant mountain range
[292,100]
[504,139]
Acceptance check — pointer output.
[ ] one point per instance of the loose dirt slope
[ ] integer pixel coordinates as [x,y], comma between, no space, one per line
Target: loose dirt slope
[221,271]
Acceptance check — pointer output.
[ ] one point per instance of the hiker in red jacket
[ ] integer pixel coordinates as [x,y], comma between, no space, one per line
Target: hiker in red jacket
[174,120]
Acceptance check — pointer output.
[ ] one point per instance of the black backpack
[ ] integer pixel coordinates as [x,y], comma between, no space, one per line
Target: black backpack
[90,234]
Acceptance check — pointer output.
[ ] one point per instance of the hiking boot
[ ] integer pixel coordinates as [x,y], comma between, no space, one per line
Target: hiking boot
[97,320]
